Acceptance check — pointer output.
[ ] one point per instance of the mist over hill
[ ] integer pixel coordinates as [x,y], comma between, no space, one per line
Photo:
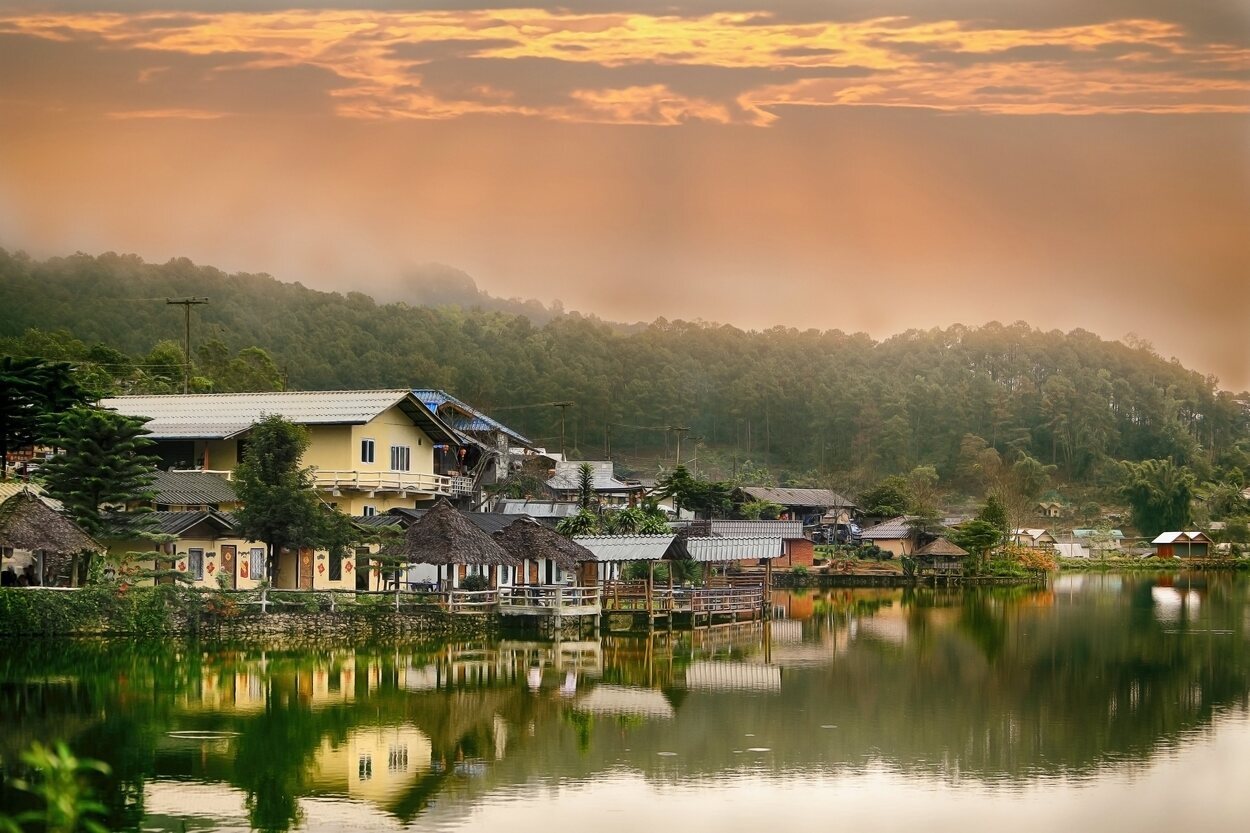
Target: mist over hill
[806,403]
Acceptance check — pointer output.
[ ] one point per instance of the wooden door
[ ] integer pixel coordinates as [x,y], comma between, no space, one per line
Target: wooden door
[229,561]
[305,569]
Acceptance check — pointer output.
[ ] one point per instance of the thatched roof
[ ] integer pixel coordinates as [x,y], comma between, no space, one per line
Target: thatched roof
[27,523]
[526,538]
[445,536]
[940,547]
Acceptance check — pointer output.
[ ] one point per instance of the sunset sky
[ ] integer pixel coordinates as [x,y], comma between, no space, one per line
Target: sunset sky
[867,165]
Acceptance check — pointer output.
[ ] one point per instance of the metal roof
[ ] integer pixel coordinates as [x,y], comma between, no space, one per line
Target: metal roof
[733,676]
[626,547]
[537,508]
[707,550]
[822,498]
[177,523]
[469,420]
[1193,537]
[216,416]
[615,699]
[759,529]
[568,477]
[1089,533]
[11,487]
[891,530]
[192,488]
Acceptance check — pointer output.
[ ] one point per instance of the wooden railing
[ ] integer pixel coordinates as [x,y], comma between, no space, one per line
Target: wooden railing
[633,596]
[392,481]
[554,597]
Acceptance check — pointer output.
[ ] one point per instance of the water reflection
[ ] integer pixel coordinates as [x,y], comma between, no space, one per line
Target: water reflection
[1004,688]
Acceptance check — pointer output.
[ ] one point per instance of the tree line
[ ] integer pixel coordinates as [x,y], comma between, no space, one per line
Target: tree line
[811,407]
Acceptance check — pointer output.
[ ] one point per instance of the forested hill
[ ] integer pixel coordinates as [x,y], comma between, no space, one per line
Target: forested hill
[800,401]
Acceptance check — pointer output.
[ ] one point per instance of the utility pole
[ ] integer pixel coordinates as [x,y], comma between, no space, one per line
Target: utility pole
[186,304]
[680,433]
[563,406]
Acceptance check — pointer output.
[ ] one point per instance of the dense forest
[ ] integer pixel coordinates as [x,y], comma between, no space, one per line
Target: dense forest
[809,406]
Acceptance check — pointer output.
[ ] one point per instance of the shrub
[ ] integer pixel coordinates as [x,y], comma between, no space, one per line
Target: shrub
[475,583]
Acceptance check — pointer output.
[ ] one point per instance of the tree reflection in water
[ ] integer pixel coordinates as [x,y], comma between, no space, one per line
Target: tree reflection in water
[1001,685]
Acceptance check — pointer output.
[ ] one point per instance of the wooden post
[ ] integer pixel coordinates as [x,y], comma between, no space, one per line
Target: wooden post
[768,587]
[650,582]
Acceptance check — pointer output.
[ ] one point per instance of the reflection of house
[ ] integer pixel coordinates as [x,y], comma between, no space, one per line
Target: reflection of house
[1182,545]
[371,450]
[893,536]
[624,700]
[373,763]
[806,505]
[1032,538]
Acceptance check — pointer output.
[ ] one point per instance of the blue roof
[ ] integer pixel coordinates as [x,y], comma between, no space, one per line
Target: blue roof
[466,418]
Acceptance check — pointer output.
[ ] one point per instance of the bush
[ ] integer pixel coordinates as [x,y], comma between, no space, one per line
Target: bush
[97,609]
[475,583]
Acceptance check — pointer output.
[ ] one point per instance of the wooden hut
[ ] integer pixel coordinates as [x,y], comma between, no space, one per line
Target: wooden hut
[445,538]
[54,541]
[940,559]
[529,541]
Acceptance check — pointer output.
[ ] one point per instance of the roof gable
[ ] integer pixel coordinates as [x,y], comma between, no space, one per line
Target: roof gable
[815,498]
[470,419]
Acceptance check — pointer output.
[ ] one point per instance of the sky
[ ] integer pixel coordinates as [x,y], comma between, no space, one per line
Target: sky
[866,165]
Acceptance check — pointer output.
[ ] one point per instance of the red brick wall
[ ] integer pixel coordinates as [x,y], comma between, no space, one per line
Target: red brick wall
[796,552]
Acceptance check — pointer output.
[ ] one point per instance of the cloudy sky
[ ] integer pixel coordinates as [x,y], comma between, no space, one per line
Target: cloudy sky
[862,164]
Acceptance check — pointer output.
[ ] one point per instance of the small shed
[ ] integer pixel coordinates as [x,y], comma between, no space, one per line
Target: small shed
[40,543]
[940,559]
[444,537]
[1192,544]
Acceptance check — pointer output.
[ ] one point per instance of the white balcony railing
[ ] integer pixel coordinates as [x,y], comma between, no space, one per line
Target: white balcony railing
[392,481]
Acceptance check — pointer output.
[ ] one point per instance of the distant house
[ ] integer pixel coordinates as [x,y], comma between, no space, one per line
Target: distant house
[1049,509]
[490,443]
[1032,538]
[371,450]
[1182,545]
[806,505]
[566,481]
[893,536]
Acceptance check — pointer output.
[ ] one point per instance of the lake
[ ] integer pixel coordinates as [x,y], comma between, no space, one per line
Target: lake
[1103,700]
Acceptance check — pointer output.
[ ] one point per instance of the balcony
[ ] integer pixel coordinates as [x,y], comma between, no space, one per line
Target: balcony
[399,482]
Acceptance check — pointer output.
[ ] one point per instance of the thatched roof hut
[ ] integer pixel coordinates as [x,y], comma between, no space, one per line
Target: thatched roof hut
[27,523]
[940,548]
[444,536]
[526,538]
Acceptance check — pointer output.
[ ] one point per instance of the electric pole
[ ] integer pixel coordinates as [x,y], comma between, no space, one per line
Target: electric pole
[680,433]
[186,304]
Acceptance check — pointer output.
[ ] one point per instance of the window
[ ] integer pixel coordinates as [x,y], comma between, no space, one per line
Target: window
[256,563]
[336,565]
[195,559]
[366,451]
[240,450]
[401,458]
[368,511]
[365,768]
[397,759]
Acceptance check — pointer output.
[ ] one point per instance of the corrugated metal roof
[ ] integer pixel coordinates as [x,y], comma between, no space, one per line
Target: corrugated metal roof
[469,419]
[1089,533]
[707,550]
[891,530]
[192,488]
[11,487]
[223,415]
[537,508]
[176,523]
[614,699]
[822,498]
[1193,537]
[568,477]
[626,547]
[733,676]
[759,529]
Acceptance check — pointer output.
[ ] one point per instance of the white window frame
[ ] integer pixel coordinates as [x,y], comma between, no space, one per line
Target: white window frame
[368,450]
[368,511]
[256,563]
[401,458]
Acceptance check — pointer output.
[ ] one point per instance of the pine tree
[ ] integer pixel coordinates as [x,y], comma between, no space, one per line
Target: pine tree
[995,513]
[103,464]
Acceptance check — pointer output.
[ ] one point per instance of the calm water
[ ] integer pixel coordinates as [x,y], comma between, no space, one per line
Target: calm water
[1104,700]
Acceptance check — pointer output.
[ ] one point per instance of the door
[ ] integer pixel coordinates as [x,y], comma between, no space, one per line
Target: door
[229,555]
[305,569]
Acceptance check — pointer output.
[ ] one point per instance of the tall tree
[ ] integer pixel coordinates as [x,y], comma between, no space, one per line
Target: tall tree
[30,391]
[1160,495]
[280,506]
[102,464]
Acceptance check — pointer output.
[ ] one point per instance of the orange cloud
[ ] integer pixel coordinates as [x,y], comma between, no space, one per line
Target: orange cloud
[1121,66]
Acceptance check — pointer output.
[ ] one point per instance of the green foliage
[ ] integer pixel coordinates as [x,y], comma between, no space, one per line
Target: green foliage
[977,536]
[585,485]
[1159,494]
[31,391]
[103,462]
[1070,400]
[98,609]
[584,522]
[475,583]
[61,781]
[703,497]
[995,514]
[280,506]
[760,510]
[889,498]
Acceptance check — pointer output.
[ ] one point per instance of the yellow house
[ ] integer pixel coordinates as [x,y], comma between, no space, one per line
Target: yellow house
[209,548]
[371,450]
